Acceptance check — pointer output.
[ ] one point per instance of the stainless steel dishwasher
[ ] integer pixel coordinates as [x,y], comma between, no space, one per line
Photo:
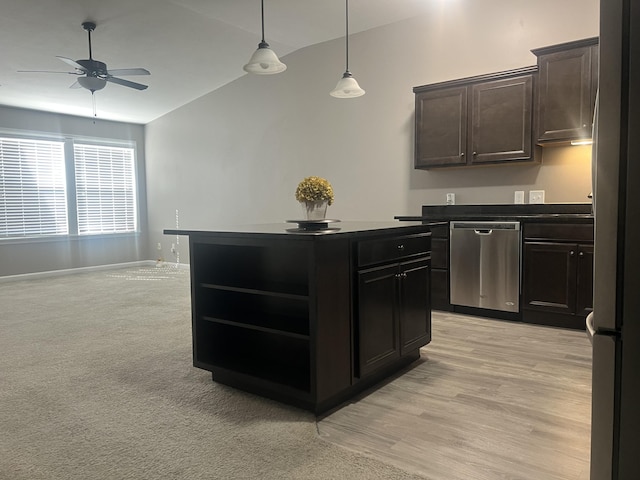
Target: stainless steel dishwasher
[485,265]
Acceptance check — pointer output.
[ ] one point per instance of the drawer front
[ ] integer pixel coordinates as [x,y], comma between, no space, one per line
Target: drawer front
[581,232]
[382,250]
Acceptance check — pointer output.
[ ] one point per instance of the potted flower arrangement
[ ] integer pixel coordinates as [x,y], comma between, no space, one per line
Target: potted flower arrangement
[314,193]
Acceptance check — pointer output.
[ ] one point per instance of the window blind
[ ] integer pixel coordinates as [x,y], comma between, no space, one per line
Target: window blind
[105,189]
[33,198]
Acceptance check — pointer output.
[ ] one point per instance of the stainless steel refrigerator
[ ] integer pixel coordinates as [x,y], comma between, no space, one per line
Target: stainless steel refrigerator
[615,424]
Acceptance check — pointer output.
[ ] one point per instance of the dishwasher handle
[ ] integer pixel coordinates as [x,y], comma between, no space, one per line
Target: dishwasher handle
[483,232]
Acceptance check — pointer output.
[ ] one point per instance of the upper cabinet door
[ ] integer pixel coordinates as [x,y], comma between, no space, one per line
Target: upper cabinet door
[475,120]
[501,120]
[441,127]
[566,90]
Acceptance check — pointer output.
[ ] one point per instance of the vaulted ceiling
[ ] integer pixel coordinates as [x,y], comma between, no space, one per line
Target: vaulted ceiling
[191,47]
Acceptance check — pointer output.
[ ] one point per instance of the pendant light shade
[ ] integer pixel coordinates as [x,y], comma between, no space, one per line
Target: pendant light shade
[264,61]
[347,86]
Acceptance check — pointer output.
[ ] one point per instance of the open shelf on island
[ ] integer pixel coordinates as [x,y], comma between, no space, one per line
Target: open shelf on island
[270,356]
[282,269]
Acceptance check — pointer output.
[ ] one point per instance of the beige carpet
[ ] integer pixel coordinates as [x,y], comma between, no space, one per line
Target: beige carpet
[96,382]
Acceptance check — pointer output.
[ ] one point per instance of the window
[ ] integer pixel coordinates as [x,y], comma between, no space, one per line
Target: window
[33,198]
[56,186]
[105,189]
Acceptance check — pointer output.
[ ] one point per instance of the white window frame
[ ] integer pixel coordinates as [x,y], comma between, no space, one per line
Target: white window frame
[105,184]
[33,189]
[71,205]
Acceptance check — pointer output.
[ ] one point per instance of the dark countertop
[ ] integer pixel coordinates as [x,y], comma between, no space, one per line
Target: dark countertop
[335,228]
[536,213]
[540,218]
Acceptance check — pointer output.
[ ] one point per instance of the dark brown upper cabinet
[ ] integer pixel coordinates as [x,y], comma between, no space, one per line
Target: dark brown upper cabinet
[441,127]
[566,91]
[477,120]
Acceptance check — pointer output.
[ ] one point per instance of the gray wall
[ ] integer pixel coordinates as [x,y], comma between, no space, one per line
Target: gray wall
[236,155]
[42,255]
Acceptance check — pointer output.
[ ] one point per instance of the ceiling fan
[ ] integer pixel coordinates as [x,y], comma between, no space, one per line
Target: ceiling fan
[93,74]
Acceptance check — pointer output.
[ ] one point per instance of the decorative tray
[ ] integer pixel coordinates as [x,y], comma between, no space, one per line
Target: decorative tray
[316,226]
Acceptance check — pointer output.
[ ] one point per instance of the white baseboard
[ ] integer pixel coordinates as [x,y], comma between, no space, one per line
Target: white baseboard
[96,268]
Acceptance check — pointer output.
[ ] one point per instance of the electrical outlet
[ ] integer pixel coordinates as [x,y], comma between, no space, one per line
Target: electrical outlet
[173,248]
[518,197]
[159,246]
[536,196]
[451,198]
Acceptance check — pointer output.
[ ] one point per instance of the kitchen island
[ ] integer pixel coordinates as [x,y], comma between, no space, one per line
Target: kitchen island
[306,316]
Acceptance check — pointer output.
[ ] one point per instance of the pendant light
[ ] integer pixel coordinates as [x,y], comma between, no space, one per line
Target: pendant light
[264,61]
[347,86]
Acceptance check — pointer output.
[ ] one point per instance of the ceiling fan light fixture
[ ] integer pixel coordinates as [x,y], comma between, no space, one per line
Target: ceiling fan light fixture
[264,61]
[347,87]
[92,83]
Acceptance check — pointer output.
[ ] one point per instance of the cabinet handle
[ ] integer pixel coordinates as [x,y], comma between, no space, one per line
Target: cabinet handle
[581,254]
[475,153]
[572,253]
[403,275]
[584,125]
[397,275]
[400,247]
[462,154]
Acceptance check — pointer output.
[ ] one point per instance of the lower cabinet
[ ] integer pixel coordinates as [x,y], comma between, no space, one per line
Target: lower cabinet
[413,302]
[393,315]
[558,275]
[584,295]
[377,335]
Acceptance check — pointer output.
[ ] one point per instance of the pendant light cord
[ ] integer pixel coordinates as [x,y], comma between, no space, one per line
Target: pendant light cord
[347,32]
[262,5]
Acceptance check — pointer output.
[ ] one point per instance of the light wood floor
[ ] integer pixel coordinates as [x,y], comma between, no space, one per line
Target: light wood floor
[489,399]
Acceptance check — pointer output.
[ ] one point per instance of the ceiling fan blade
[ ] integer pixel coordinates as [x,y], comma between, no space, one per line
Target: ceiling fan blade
[75,85]
[129,71]
[126,83]
[73,63]
[48,71]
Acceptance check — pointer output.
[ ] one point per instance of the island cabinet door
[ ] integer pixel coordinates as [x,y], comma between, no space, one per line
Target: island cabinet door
[377,330]
[414,311]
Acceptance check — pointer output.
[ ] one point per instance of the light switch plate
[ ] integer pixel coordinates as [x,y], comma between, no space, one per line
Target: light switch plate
[518,197]
[536,196]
